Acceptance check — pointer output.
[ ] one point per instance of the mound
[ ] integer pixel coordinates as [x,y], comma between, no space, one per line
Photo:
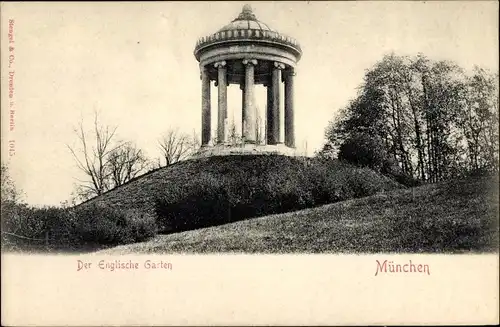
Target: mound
[217,190]
[451,217]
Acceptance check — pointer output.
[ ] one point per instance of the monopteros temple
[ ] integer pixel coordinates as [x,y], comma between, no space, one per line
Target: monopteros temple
[248,52]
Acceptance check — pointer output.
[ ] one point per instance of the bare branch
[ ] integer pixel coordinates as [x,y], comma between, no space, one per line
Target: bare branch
[176,146]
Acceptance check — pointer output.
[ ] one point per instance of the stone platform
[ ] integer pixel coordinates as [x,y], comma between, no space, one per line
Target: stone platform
[245,149]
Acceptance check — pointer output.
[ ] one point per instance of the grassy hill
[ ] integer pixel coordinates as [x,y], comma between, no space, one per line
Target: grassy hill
[452,217]
[217,190]
[189,195]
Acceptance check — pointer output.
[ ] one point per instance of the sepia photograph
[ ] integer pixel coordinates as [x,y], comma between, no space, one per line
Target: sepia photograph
[229,149]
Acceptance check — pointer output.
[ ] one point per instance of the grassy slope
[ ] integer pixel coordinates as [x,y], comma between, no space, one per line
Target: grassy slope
[186,180]
[450,217]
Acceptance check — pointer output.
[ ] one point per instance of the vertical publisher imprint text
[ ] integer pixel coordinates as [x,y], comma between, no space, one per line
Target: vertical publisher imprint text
[11,78]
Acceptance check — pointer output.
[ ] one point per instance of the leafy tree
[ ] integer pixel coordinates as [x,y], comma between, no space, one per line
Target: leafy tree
[478,120]
[431,118]
[9,192]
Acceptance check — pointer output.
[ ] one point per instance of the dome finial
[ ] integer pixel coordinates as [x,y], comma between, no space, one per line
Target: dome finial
[247,9]
[246,13]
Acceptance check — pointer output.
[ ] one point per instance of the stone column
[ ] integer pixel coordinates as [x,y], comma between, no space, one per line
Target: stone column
[276,114]
[205,107]
[222,103]
[269,114]
[289,115]
[249,116]
[242,88]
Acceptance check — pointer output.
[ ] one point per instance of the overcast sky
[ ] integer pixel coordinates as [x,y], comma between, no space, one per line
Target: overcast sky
[134,63]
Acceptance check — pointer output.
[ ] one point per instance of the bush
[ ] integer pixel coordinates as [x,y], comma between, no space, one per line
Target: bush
[183,206]
[236,188]
[73,227]
[338,180]
[368,151]
[25,226]
[363,150]
[391,169]
[20,219]
[141,226]
[94,224]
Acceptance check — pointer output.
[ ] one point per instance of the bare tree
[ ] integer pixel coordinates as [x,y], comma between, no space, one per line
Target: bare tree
[105,162]
[195,141]
[126,162]
[92,158]
[234,138]
[176,146]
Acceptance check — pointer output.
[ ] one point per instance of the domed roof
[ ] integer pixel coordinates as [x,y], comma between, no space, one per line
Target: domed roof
[246,20]
[244,29]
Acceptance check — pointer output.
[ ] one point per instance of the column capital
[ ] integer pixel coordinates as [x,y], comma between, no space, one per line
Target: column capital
[220,64]
[203,71]
[279,65]
[250,62]
[290,72]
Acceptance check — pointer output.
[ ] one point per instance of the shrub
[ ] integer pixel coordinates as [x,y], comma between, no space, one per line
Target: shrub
[391,169]
[183,206]
[101,225]
[363,150]
[406,180]
[231,189]
[73,227]
[20,219]
[337,180]
[92,224]
[141,226]
[16,221]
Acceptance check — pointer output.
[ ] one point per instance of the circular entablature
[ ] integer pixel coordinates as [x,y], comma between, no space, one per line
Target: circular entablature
[245,36]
